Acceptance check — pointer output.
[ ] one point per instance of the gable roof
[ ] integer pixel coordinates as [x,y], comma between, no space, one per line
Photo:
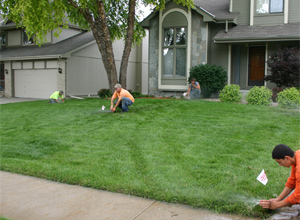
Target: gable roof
[56,50]
[245,33]
[218,9]
[215,10]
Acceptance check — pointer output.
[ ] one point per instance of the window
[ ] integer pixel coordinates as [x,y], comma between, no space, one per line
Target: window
[269,6]
[174,52]
[26,40]
[3,39]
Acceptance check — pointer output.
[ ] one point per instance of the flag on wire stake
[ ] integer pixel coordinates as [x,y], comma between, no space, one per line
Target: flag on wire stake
[103,107]
[262,177]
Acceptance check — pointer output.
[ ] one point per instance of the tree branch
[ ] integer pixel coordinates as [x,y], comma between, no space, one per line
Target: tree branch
[85,12]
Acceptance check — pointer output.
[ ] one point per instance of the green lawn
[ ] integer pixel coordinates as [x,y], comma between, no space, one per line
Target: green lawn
[200,153]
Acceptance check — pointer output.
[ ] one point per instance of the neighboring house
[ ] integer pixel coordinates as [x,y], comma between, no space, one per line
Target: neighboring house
[71,63]
[236,34]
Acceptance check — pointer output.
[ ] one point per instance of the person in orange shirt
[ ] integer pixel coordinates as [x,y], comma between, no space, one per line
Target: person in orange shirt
[124,97]
[286,157]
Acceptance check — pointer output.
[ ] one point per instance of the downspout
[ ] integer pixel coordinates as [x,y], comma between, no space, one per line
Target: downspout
[226,26]
[229,65]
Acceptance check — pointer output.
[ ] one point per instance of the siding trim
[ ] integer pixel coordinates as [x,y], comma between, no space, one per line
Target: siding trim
[286,12]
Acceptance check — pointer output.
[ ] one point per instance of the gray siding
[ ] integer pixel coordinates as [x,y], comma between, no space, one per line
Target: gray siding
[294,11]
[268,19]
[175,19]
[181,82]
[172,5]
[218,52]
[244,8]
[87,75]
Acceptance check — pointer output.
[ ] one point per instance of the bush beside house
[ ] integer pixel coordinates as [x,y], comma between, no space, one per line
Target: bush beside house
[231,93]
[289,98]
[212,78]
[259,96]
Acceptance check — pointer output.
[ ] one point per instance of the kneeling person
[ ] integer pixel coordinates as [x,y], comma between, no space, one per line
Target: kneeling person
[125,99]
[286,157]
[56,96]
[194,90]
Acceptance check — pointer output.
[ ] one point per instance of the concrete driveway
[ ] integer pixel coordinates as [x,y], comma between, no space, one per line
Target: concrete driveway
[4,100]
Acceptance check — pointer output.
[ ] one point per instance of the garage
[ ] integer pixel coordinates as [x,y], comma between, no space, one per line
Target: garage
[33,83]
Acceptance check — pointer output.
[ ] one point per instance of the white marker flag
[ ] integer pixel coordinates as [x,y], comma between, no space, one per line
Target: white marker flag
[262,177]
[103,107]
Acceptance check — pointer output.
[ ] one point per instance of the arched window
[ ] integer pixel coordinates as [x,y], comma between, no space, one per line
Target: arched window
[174,46]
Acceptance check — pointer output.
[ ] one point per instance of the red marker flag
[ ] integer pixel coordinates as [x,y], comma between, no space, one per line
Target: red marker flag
[262,177]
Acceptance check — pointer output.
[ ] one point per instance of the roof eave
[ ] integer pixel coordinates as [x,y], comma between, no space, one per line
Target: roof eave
[68,53]
[56,56]
[146,22]
[251,40]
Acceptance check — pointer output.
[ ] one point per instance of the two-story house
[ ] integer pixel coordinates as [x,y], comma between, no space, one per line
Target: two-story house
[71,63]
[238,35]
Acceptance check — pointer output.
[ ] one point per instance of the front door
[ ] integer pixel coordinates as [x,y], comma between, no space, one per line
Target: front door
[256,66]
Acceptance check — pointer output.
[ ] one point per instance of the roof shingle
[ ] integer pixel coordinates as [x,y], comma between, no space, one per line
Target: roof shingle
[58,49]
[245,33]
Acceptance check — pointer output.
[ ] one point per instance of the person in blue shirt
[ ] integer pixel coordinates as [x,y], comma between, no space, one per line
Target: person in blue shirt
[194,90]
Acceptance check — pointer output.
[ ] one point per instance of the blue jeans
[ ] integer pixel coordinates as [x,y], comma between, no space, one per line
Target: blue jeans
[195,94]
[53,101]
[124,104]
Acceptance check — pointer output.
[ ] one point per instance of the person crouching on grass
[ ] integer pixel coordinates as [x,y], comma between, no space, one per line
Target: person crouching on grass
[56,96]
[124,97]
[194,90]
[286,157]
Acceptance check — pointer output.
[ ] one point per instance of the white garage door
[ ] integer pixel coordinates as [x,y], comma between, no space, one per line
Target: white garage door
[35,83]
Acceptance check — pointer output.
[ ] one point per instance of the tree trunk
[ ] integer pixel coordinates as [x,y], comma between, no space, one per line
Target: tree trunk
[106,50]
[104,43]
[101,34]
[128,44]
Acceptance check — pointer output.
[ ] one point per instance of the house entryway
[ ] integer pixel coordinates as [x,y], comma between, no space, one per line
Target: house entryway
[256,66]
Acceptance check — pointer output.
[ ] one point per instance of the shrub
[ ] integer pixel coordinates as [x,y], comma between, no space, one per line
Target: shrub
[231,93]
[289,98]
[212,78]
[284,65]
[104,93]
[137,94]
[275,92]
[259,96]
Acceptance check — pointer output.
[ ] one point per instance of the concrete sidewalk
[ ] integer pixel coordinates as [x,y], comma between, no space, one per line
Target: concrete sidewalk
[30,198]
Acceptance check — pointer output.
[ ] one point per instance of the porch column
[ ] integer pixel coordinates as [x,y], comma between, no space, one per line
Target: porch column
[286,11]
[266,64]
[229,65]
[251,12]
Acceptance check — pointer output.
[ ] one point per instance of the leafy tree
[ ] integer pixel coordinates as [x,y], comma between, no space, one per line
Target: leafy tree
[285,67]
[108,20]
